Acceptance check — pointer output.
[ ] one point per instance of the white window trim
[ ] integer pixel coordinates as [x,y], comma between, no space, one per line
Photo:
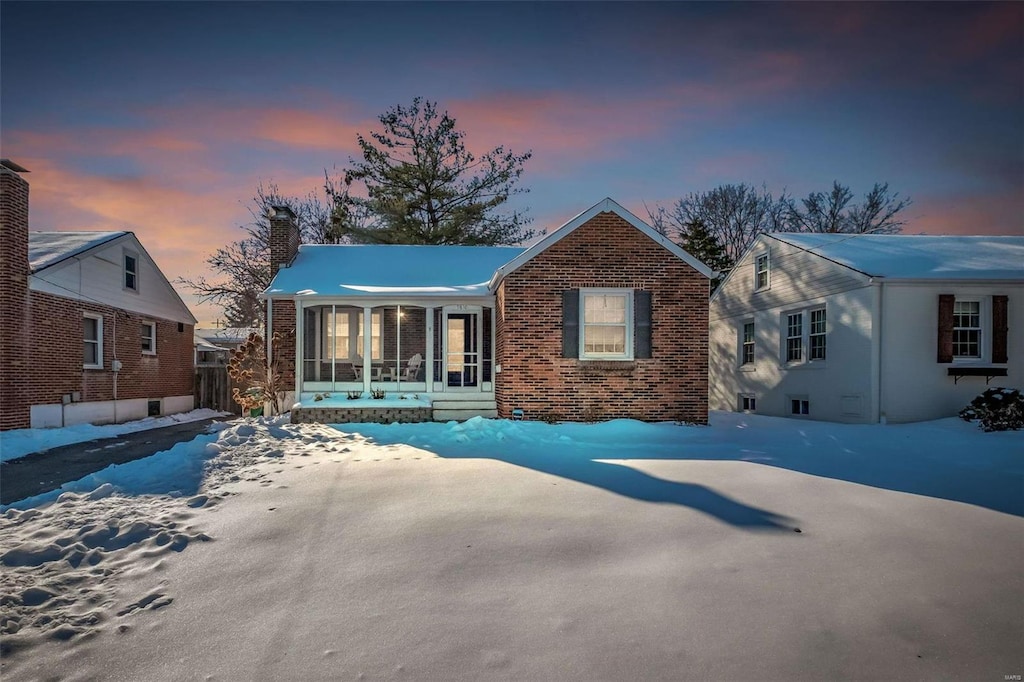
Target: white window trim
[99,341]
[152,325]
[740,358]
[124,270]
[801,398]
[767,255]
[805,338]
[985,323]
[630,323]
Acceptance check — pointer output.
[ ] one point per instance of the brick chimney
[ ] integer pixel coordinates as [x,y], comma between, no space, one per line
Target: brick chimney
[284,237]
[15,320]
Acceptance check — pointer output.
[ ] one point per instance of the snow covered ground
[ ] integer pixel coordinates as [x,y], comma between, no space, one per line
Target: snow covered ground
[514,550]
[21,442]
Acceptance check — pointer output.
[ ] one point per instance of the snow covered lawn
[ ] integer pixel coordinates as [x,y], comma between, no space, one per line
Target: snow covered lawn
[512,550]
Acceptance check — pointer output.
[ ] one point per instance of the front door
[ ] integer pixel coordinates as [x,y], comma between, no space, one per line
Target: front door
[462,350]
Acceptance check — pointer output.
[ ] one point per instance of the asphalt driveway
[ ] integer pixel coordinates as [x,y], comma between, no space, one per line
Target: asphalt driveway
[44,471]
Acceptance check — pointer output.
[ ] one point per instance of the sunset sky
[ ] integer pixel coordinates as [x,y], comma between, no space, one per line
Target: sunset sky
[162,118]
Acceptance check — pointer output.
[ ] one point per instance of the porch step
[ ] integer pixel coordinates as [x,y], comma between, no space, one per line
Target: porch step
[463,408]
[462,415]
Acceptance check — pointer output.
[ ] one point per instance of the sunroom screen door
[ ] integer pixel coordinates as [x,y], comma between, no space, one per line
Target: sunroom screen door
[462,350]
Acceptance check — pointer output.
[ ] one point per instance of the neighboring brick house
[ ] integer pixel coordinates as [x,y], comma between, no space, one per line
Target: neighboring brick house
[603,318]
[91,330]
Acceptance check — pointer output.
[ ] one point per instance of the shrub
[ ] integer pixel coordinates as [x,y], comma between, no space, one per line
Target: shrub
[997,409]
[354,395]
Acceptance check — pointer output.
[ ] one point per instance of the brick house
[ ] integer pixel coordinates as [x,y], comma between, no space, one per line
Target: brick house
[603,318]
[92,331]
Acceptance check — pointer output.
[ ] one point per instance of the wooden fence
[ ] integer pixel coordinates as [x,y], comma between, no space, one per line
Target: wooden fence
[214,388]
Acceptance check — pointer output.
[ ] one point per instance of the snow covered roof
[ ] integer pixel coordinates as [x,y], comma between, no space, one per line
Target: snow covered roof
[225,334]
[606,205]
[390,270]
[49,248]
[930,257]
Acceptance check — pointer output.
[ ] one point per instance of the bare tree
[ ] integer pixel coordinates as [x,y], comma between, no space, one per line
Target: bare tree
[734,214]
[243,267]
[833,212]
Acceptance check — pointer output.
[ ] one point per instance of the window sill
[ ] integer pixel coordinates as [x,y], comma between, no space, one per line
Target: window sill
[594,367]
[813,364]
[148,354]
[747,368]
[92,367]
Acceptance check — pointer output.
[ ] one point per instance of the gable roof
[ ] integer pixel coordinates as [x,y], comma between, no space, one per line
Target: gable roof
[46,249]
[383,270]
[606,205]
[918,257]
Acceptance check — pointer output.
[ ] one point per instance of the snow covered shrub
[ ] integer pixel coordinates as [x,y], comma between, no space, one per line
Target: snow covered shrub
[997,409]
[377,393]
[354,395]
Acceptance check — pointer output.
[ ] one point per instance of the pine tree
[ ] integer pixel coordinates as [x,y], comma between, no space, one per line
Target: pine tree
[701,243]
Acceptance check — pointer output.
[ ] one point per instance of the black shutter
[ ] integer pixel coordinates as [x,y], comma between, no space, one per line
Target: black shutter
[945,337]
[642,324]
[999,326]
[571,323]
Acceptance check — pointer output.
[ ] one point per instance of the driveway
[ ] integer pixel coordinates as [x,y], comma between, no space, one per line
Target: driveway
[48,470]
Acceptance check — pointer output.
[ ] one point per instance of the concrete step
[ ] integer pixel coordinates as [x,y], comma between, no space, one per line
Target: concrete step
[454,396]
[442,404]
[463,415]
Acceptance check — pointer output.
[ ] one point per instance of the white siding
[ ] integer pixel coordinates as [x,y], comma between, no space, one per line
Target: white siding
[798,281]
[795,275]
[98,276]
[833,387]
[915,386]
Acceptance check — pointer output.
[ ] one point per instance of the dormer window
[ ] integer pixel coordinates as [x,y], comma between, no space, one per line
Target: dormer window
[131,271]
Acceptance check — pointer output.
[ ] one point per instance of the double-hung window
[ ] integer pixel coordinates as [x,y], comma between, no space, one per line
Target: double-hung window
[817,334]
[148,333]
[606,332]
[747,344]
[761,271]
[131,270]
[967,329]
[806,335]
[794,337]
[92,341]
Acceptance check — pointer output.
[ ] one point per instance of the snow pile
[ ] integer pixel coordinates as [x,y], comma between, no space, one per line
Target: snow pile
[62,553]
[21,442]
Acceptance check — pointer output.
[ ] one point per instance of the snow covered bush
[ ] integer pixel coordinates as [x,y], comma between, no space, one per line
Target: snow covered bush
[997,409]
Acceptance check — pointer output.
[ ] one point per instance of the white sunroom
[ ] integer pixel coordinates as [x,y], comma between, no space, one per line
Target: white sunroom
[398,319]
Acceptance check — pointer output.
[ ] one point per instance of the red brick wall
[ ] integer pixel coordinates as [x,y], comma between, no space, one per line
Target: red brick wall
[14,321]
[606,251]
[284,322]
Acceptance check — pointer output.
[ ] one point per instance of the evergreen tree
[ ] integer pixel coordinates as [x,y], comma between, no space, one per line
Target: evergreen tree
[422,186]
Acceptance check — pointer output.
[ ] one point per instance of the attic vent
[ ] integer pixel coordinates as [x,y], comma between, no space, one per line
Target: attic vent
[181,327]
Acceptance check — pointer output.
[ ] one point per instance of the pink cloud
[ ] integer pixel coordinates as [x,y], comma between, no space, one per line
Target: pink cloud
[980,213]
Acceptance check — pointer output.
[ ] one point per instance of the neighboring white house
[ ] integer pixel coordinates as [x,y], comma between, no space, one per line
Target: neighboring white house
[867,328]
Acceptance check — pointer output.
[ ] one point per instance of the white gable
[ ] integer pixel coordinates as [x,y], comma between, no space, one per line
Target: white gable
[85,269]
[605,206]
